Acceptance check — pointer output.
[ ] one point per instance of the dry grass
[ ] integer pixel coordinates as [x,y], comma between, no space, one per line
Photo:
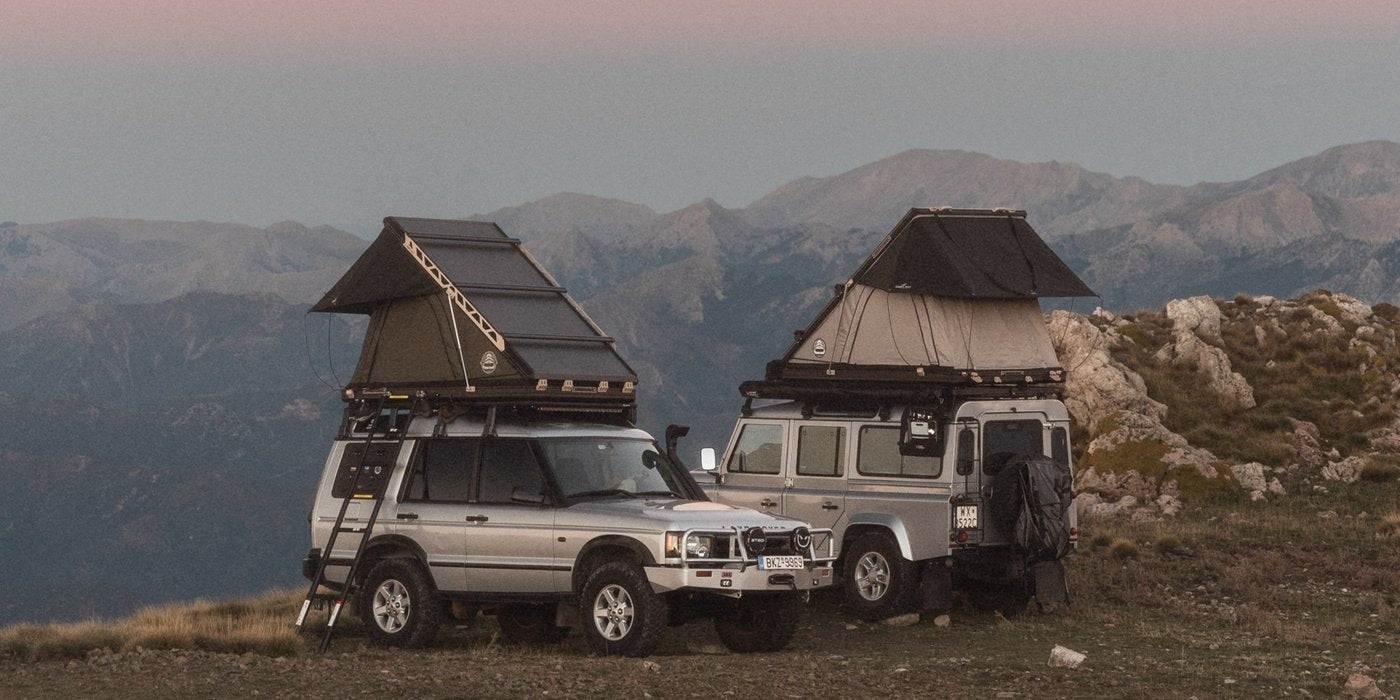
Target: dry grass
[260,625]
[1123,549]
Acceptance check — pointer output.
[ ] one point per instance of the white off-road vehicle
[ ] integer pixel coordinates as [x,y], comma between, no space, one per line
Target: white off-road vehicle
[548,525]
[922,421]
[488,459]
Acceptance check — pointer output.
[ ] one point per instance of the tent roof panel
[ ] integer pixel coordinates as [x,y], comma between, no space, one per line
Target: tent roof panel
[969,253]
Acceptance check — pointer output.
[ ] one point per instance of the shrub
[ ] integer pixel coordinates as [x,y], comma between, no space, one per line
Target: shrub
[1123,549]
[1390,527]
[1101,540]
[1378,471]
[1170,544]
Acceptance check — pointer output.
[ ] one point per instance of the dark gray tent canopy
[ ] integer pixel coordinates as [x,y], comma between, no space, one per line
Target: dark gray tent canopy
[459,307]
[969,253]
[949,297]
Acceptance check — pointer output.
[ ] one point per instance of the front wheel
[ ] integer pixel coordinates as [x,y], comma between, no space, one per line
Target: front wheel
[878,581]
[622,615]
[398,604]
[760,623]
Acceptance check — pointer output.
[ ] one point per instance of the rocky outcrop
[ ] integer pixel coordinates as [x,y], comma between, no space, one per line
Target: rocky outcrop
[1195,341]
[1096,385]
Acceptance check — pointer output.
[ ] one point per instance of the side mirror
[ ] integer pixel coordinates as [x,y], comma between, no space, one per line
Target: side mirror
[707,459]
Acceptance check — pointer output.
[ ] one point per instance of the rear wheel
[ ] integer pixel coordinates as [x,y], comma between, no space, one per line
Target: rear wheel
[622,615]
[398,604]
[878,581]
[760,623]
[530,623]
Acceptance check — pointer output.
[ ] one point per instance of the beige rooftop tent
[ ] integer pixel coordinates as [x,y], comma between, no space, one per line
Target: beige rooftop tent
[949,297]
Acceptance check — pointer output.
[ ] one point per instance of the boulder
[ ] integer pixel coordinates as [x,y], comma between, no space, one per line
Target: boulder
[1251,478]
[1346,470]
[1188,349]
[1197,315]
[1306,442]
[1360,685]
[1354,310]
[1097,386]
[1064,657]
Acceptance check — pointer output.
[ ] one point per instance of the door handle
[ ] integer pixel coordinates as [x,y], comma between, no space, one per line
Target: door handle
[830,506]
[407,516]
[768,503]
[477,518]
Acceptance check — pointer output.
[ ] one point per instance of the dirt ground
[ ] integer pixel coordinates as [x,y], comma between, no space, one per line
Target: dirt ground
[1282,599]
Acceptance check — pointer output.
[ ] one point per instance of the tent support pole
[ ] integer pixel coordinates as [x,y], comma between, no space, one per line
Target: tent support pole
[457,336]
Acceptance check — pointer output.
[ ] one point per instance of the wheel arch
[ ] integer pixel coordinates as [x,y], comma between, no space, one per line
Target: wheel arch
[392,547]
[601,547]
[892,525]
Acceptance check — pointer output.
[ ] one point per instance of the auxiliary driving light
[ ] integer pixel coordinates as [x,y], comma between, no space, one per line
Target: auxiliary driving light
[755,540]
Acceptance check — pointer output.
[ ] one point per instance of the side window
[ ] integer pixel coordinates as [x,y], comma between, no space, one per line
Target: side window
[510,473]
[442,471]
[967,442]
[877,454]
[821,450]
[760,450]
[1059,446]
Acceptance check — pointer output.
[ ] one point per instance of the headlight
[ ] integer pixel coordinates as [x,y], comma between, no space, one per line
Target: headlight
[699,546]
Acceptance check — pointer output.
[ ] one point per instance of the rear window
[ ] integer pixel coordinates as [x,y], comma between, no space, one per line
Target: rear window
[878,455]
[442,471]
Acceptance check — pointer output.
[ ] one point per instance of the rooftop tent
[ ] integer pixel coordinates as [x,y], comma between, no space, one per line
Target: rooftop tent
[457,308]
[948,297]
[969,254]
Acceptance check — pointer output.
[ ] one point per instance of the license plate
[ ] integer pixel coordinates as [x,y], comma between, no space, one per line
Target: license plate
[965,516]
[786,562]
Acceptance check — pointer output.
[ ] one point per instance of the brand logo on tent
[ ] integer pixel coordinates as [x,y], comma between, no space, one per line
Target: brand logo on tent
[488,362]
[819,347]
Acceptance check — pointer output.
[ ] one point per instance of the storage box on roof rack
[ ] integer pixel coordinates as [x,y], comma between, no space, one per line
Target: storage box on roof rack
[460,311]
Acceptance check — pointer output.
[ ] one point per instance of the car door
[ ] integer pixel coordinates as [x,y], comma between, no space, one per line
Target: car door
[431,506]
[510,542]
[816,491]
[754,468]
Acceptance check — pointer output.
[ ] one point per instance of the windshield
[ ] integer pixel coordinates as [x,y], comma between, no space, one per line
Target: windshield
[585,467]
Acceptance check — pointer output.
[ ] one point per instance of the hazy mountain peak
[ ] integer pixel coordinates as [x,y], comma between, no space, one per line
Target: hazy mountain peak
[1350,171]
[564,212]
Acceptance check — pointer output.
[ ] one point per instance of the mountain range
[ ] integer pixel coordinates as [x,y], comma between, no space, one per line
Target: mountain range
[169,400]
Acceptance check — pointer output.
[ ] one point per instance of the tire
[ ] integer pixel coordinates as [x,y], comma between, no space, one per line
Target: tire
[878,581]
[759,623]
[622,615]
[399,606]
[530,623]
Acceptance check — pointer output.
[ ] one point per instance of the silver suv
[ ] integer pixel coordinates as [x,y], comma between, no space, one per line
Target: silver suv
[921,501]
[549,524]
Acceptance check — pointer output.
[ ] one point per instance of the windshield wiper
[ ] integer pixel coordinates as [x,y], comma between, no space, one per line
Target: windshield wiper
[603,492]
[672,494]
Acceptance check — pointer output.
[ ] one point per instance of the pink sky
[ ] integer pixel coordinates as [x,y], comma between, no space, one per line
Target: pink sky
[156,28]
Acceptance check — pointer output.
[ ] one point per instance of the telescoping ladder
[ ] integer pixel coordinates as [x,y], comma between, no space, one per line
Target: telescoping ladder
[387,424]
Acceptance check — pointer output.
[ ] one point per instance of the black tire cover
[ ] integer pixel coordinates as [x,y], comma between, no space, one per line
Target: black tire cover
[1029,506]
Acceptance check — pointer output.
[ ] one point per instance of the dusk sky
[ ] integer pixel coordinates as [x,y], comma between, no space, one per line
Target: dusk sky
[344,112]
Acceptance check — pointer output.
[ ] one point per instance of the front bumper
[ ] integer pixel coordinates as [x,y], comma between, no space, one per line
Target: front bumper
[749,579]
